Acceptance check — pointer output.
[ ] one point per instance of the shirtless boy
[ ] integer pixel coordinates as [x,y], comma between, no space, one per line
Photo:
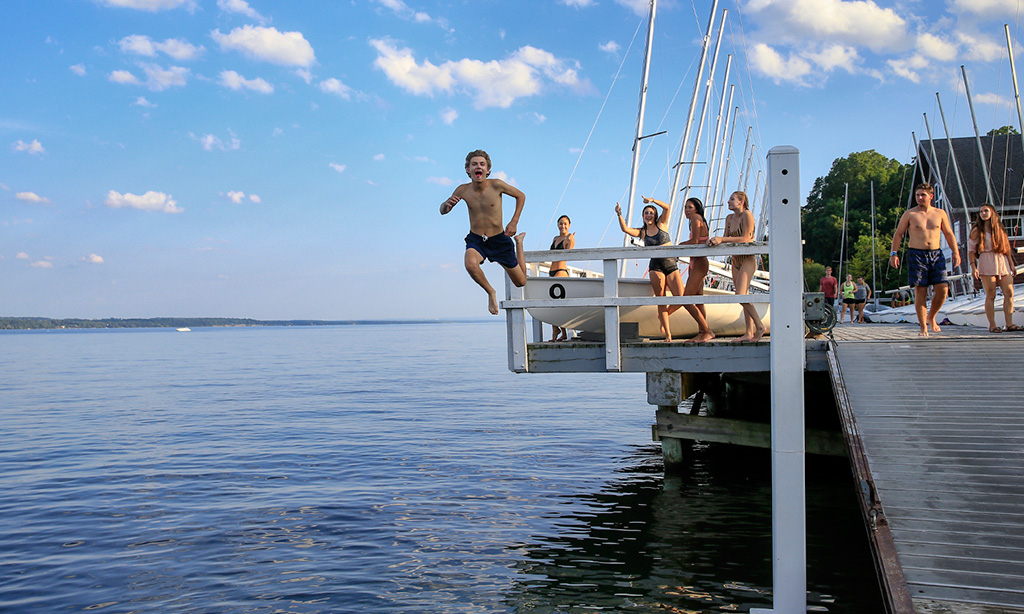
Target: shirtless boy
[925,262]
[487,237]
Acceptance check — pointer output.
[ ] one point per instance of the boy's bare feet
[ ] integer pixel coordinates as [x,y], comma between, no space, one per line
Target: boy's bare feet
[492,303]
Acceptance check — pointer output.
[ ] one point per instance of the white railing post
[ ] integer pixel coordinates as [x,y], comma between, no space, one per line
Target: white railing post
[515,329]
[612,357]
[789,538]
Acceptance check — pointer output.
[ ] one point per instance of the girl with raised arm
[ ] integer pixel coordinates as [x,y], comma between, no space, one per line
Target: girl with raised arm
[664,271]
[739,228]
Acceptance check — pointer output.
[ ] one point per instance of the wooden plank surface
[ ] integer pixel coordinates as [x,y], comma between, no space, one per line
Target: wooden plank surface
[941,421]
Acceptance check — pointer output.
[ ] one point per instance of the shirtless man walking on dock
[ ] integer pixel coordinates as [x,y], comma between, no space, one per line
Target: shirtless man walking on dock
[925,262]
[487,237]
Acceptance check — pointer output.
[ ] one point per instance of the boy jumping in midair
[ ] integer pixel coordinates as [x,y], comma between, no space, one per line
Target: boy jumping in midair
[487,237]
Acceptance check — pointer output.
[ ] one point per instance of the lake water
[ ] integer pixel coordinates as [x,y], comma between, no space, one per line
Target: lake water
[374,468]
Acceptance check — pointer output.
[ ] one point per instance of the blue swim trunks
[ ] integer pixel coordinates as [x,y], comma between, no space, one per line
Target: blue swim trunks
[500,248]
[927,267]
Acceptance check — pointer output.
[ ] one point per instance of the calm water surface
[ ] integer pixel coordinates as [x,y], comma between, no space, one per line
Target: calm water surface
[374,468]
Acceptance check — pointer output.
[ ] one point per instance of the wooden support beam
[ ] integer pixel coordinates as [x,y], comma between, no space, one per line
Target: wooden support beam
[674,425]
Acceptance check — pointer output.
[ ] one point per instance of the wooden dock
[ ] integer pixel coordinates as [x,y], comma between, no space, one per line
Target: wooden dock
[935,432]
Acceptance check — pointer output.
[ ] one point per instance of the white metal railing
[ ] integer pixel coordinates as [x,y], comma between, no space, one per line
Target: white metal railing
[516,304]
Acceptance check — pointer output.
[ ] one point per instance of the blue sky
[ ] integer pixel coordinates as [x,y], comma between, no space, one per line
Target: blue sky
[287,159]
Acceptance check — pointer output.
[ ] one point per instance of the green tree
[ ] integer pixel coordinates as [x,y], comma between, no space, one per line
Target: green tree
[1003,130]
[822,216]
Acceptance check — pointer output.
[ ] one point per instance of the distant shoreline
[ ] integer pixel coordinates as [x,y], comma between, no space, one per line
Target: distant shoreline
[36,323]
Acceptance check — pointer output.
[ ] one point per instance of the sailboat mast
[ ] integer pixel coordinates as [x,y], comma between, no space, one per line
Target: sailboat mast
[977,137]
[711,191]
[1016,90]
[874,286]
[952,154]
[640,121]
[700,123]
[842,243]
[674,192]
[747,154]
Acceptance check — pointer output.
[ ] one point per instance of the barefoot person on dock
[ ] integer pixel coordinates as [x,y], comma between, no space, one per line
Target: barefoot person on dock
[925,263]
[693,210]
[664,272]
[564,240]
[487,237]
[739,228]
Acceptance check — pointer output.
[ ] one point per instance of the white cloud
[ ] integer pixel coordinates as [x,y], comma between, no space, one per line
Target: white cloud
[93,259]
[160,79]
[235,81]
[123,76]
[449,115]
[379,157]
[31,197]
[150,5]
[836,56]
[150,201]
[35,147]
[640,7]
[987,8]
[857,23]
[236,197]
[610,47]
[493,84]
[771,64]
[255,199]
[991,98]
[21,256]
[268,45]
[240,6]
[305,75]
[142,102]
[42,264]
[440,180]
[980,49]
[336,87]
[338,167]
[78,69]
[931,46]
[179,49]
[403,10]
[211,142]
[580,4]
[908,68]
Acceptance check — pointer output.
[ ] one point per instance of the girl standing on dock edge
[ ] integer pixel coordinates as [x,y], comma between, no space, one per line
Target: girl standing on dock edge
[739,228]
[564,240]
[664,271]
[694,212]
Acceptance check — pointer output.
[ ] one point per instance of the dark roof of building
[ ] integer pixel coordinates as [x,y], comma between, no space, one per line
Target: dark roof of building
[1004,155]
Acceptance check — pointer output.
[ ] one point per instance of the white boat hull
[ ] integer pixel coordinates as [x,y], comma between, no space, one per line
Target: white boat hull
[962,311]
[725,319]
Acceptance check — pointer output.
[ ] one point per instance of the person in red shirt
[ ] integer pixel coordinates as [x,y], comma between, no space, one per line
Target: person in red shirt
[829,285]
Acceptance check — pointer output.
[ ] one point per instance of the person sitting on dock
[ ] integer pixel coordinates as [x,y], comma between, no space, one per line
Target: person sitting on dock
[988,251]
[694,212]
[564,240]
[487,237]
[739,228]
[925,263]
[664,271]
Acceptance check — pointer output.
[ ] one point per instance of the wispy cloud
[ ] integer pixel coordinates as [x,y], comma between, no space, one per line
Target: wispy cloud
[242,7]
[150,5]
[150,201]
[267,45]
[93,259]
[336,87]
[78,69]
[495,83]
[179,49]
[31,197]
[235,81]
[34,148]
[449,115]
[338,167]
[211,142]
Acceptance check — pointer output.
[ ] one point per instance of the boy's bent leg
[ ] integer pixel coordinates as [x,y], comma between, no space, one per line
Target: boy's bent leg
[473,260]
[518,273]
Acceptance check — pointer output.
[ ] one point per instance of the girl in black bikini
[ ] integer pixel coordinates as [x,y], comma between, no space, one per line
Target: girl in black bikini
[564,240]
[664,271]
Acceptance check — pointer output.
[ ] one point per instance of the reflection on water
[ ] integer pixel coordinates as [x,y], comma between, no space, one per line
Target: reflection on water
[398,470]
[695,542]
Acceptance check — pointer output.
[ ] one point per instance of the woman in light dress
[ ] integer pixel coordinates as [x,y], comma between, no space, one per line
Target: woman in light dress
[739,228]
[988,251]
